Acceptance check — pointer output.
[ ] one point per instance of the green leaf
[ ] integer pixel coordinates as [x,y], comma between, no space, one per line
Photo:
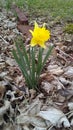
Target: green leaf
[39,64]
[21,63]
[33,66]
[44,61]
[26,56]
[47,55]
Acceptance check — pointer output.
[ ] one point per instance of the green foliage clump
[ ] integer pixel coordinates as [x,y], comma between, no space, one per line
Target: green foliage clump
[26,60]
[69,28]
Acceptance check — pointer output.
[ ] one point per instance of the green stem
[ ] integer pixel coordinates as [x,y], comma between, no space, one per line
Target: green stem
[21,67]
[39,64]
[26,57]
[44,61]
[47,55]
[33,66]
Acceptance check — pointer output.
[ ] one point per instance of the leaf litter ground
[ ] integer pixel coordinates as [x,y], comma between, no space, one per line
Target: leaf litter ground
[52,107]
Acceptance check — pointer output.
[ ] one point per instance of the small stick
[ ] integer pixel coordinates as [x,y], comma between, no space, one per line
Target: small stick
[63,53]
[4,40]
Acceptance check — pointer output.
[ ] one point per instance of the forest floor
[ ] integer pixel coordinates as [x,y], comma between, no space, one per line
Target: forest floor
[52,107]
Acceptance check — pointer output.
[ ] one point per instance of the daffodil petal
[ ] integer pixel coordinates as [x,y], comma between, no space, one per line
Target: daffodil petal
[42,45]
[44,24]
[33,43]
[36,25]
[31,32]
[39,35]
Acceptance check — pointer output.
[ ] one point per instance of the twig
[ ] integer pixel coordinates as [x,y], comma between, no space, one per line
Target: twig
[62,52]
[4,40]
[61,57]
[49,128]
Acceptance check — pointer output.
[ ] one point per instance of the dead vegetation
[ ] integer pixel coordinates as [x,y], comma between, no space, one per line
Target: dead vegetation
[49,108]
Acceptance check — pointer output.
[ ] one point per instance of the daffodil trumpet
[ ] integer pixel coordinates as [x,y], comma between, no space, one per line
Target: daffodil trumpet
[39,36]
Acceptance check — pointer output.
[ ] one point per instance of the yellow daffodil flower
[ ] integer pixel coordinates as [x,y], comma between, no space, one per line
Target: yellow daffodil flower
[39,36]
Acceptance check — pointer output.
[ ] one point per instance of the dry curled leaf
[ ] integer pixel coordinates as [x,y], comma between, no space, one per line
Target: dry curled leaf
[55,116]
[46,77]
[47,87]
[2,91]
[4,107]
[29,119]
[69,72]
[55,69]
[70,105]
